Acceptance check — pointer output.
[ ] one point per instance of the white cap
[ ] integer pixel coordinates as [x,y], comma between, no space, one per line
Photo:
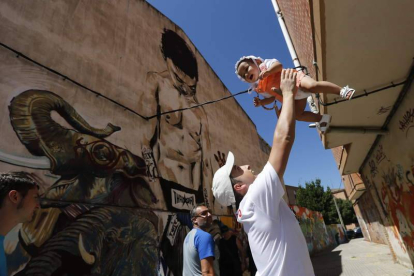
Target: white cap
[222,187]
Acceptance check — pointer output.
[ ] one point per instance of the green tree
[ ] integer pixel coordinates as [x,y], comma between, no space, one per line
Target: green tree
[347,211]
[314,197]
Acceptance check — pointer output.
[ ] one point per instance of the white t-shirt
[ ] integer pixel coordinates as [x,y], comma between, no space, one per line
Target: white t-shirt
[276,240]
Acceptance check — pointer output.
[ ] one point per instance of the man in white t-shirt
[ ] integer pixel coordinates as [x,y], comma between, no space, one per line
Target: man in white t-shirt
[276,241]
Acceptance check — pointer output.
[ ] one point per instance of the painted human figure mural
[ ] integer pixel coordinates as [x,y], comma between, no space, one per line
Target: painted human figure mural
[114,201]
[180,140]
[82,227]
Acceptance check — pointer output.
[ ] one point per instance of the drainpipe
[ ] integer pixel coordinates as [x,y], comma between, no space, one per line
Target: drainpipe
[286,34]
[292,51]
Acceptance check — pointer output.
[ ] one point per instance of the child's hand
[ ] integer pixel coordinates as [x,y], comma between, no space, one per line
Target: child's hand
[256,102]
[277,90]
[263,74]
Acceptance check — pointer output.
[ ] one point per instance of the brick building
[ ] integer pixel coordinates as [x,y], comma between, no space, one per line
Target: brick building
[368,45]
[291,194]
[339,194]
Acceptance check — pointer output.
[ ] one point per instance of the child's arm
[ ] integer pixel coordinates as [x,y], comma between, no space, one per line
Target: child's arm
[258,102]
[274,68]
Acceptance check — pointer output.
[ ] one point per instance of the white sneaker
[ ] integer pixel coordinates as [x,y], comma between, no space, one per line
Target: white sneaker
[347,92]
[313,107]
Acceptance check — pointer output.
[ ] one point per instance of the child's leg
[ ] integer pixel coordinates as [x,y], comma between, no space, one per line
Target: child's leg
[310,85]
[305,116]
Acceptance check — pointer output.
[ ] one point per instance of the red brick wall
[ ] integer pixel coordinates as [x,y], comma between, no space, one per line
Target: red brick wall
[298,22]
[337,154]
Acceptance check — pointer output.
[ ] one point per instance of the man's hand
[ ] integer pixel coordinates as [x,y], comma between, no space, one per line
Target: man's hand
[257,102]
[288,82]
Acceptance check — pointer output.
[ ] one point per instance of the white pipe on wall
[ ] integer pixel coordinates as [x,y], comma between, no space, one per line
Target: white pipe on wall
[286,34]
[292,51]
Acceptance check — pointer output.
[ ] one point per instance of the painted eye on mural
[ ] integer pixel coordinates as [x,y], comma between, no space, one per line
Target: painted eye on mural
[178,78]
[102,153]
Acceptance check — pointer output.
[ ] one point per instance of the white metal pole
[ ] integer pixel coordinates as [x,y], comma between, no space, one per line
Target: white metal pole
[292,51]
[286,34]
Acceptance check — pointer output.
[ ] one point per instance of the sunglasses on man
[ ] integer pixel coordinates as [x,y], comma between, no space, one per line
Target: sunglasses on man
[204,213]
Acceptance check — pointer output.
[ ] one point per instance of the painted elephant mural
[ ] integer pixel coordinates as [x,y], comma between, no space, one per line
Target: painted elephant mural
[114,202]
[97,178]
[77,224]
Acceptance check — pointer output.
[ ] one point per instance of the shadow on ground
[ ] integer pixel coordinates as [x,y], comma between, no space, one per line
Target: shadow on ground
[327,263]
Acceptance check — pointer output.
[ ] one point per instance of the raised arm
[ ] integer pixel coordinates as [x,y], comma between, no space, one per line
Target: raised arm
[285,129]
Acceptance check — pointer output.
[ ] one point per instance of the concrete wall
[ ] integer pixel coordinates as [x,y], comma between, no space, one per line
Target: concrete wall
[389,174]
[313,228]
[115,197]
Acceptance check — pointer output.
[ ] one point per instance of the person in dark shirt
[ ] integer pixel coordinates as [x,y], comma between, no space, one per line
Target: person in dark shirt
[231,251]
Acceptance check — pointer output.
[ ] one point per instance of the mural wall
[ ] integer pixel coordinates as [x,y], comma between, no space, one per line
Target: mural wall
[82,87]
[369,219]
[389,174]
[318,236]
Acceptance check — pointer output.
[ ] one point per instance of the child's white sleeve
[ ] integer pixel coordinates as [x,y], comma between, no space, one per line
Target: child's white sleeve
[269,62]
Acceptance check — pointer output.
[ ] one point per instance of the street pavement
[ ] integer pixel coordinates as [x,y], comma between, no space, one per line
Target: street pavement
[358,258]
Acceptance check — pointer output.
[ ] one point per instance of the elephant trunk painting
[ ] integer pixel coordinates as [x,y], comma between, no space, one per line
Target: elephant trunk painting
[30,115]
[86,222]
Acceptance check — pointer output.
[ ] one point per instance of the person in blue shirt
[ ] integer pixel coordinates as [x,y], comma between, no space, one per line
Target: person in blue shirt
[198,246]
[19,199]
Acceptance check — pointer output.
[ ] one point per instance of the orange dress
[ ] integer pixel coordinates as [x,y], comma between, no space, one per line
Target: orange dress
[265,85]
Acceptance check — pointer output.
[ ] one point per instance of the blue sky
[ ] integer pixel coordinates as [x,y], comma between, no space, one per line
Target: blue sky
[223,31]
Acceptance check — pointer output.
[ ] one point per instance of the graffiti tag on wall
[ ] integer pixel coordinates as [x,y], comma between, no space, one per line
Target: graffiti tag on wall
[407,120]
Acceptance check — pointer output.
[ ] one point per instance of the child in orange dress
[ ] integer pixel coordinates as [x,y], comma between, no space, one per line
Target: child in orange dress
[265,77]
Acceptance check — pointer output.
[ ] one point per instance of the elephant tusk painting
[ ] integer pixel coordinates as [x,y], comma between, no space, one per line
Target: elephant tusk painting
[115,189]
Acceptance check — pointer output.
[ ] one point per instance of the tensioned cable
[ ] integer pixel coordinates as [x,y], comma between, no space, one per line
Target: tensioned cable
[19,54]
[69,79]
[191,107]
[362,95]
[109,99]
